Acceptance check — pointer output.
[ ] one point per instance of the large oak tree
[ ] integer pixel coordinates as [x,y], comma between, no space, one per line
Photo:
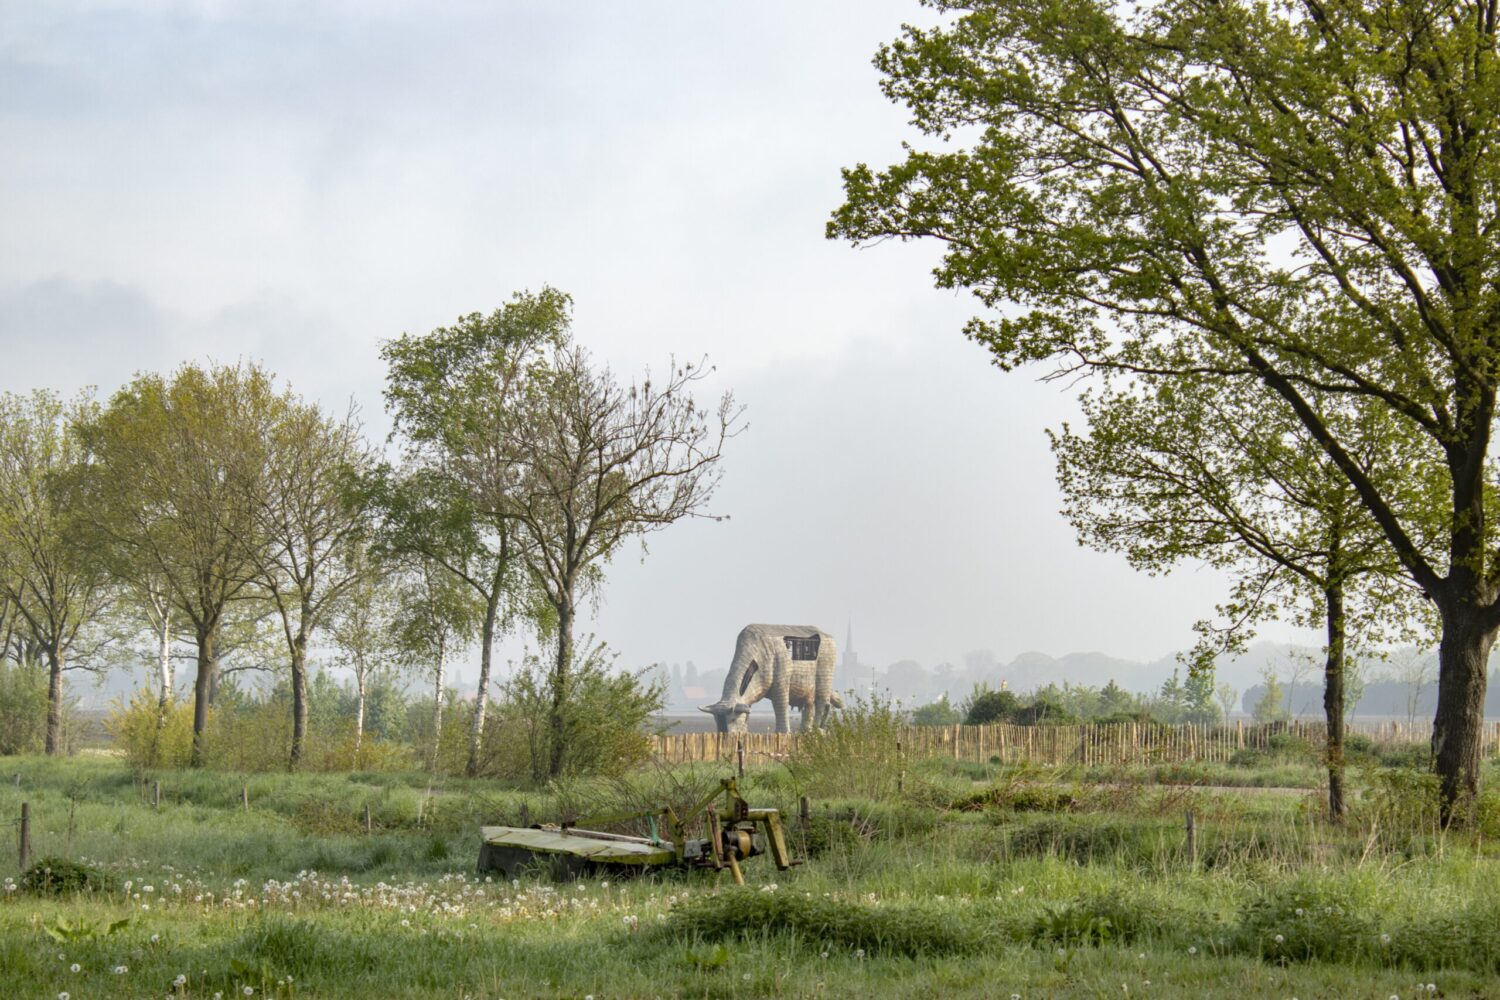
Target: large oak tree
[1303,193]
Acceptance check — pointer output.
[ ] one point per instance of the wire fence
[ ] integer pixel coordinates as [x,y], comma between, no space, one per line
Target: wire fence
[1108,744]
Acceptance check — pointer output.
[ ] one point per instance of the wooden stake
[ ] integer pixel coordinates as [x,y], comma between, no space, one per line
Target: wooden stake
[156,795]
[245,796]
[804,809]
[370,826]
[1192,839]
[739,752]
[25,834]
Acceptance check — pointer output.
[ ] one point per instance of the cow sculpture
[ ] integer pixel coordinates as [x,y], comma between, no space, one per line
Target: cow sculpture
[792,665]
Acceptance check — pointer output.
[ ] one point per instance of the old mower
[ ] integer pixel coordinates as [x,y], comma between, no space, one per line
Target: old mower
[567,851]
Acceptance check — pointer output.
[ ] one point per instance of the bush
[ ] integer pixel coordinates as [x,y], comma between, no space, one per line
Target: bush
[607,719]
[149,737]
[59,876]
[939,713]
[854,754]
[986,707]
[23,708]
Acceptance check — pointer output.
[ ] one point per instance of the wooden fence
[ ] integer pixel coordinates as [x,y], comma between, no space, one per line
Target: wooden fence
[1105,743]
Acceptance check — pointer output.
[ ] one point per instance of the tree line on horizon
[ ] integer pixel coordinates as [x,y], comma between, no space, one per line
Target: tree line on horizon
[215,507]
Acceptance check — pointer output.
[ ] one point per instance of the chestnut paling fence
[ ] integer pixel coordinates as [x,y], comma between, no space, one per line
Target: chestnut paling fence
[1087,744]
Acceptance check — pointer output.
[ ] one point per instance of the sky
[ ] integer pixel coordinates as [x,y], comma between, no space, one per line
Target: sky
[292,184]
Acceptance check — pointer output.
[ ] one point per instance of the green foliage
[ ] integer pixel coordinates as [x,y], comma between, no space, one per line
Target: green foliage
[1308,920]
[608,719]
[23,707]
[938,713]
[81,929]
[56,876]
[855,753]
[149,735]
[906,930]
[1271,707]
[985,707]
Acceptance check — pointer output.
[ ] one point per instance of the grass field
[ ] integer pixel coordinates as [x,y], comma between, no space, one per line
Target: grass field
[970,881]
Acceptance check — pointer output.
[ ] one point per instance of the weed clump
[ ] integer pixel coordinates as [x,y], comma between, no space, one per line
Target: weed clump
[1102,918]
[60,876]
[1303,922]
[908,931]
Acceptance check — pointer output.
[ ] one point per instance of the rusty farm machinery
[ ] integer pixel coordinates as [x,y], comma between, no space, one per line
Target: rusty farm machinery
[565,850]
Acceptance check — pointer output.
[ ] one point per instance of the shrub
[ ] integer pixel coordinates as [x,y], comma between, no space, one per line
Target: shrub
[854,754]
[986,707]
[60,876]
[147,735]
[1248,757]
[23,708]
[939,713]
[607,719]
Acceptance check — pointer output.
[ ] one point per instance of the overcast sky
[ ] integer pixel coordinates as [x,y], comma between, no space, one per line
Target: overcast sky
[294,183]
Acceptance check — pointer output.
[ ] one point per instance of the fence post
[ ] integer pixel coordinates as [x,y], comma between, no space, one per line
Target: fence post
[739,753]
[245,796]
[156,795]
[25,834]
[900,769]
[804,809]
[369,826]
[1192,839]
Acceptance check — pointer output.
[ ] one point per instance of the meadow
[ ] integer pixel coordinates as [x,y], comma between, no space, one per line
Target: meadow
[954,879]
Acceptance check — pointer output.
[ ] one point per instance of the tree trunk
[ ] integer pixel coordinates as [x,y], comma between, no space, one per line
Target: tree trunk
[1463,659]
[203,686]
[54,700]
[560,678]
[359,711]
[164,665]
[299,699]
[1333,697]
[437,704]
[481,698]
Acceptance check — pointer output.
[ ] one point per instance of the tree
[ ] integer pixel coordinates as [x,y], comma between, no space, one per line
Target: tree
[600,462]
[1229,698]
[311,518]
[454,394]
[1175,470]
[437,615]
[1271,706]
[1296,195]
[937,713]
[51,587]
[175,467]
[363,627]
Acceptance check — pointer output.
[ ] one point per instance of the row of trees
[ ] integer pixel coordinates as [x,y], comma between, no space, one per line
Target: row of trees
[1191,699]
[210,504]
[1267,236]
